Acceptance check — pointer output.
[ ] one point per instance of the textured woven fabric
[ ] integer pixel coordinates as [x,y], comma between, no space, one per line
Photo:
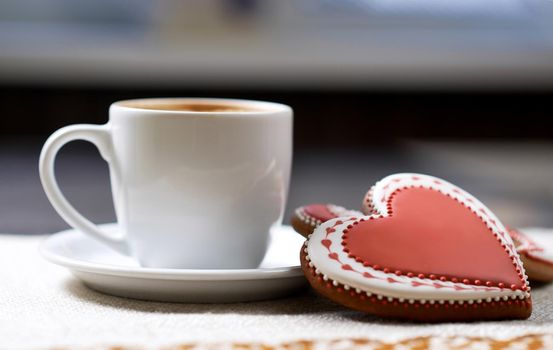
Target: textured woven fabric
[42,306]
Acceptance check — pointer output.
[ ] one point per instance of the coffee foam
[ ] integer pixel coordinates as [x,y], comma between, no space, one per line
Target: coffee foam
[192,107]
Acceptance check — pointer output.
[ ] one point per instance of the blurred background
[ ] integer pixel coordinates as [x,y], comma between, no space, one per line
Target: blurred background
[460,89]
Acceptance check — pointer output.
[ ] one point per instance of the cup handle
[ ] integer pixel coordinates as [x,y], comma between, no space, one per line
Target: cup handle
[100,136]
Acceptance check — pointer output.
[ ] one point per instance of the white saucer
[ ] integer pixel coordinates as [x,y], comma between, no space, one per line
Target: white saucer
[107,271]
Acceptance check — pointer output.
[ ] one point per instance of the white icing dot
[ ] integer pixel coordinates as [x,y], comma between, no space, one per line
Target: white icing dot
[496,298]
[305,250]
[317,271]
[411,301]
[470,302]
[401,300]
[488,299]
[335,283]
[368,294]
[357,290]
[325,277]
[441,302]
[309,235]
[346,287]
[451,302]
[432,302]
[479,301]
[390,299]
[307,258]
[461,302]
[379,297]
[310,264]
[521,296]
[505,297]
[423,302]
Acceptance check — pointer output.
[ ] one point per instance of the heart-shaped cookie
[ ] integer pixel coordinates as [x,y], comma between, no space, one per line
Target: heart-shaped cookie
[536,256]
[428,251]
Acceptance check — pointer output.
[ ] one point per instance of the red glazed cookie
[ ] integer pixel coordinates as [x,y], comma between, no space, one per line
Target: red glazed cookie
[537,258]
[308,217]
[535,247]
[428,252]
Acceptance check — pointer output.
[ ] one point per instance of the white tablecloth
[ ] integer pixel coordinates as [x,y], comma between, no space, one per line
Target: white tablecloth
[42,306]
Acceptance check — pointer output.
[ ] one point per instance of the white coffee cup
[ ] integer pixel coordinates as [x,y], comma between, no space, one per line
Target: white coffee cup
[196,183]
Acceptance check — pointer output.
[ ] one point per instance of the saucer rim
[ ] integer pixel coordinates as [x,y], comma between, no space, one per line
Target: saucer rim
[291,271]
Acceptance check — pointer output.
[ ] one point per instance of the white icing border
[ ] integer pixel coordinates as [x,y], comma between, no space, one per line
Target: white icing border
[305,218]
[317,254]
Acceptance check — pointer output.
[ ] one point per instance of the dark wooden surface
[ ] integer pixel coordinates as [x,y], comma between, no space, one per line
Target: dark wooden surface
[514,179]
